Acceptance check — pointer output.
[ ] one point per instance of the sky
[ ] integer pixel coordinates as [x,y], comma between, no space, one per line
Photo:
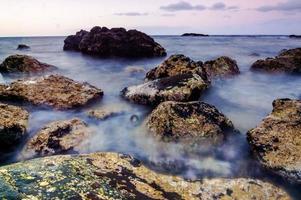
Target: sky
[155,17]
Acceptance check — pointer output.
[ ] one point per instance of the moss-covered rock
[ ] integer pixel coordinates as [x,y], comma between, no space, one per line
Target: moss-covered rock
[115,176]
[192,122]
[59,137]
[13,124]
[185,87]
[24,64]
[288,61]
[51,91]
[277,140]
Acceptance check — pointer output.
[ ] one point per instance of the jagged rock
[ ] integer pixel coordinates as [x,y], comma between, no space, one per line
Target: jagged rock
[221,67]
[276,142]
[118,42]
[288,61]
[59,137]
[192,121]
[24,64]
[13,124]
[116,176]
[176,65]
[23,47]
[194,35]
[51,91]
[185,87]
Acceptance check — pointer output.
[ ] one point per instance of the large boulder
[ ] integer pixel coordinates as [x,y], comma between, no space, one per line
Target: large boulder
[276,142]
[221,67]
[119,42]
[288,61]
[116,176]
[176,65]
[192,121]
[59,137]
[185,87]
[51,91]
[13,124]
[24,64]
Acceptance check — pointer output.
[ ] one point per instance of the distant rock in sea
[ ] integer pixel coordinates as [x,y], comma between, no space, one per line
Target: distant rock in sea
[295,36]
[119,42]
[195,35]
[23,47]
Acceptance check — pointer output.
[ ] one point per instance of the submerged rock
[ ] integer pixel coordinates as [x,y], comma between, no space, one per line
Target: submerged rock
[288,61]
[106,112]
[51,91]
[185,87]
[116,176]
[194,35]
[59,137]
[192,122]
[277,140]
[24,64]
[23,47]
[221,67]
[134,70]
[176,65]
[13,124]
[105,42]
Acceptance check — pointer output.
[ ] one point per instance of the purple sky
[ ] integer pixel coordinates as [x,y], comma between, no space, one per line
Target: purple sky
[63,17]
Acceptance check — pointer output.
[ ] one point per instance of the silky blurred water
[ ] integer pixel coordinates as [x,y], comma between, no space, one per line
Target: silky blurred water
[245,99]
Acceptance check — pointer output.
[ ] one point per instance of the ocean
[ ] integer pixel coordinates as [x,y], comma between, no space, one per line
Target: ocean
[246,99]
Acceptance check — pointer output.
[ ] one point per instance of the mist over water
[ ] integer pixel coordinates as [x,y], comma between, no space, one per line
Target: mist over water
[245,99]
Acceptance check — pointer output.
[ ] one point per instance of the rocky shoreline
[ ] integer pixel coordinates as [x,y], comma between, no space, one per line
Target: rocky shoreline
[173,91]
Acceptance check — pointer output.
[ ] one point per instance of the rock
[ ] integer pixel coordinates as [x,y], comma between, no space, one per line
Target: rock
[116,176]
[185,87]
[54,91]
[176,65]
[24,64]
[276,142]
[195,35]
[255,54]
[192,121]
[59,137]
[118,42]
[295,36]
[221,67]
[23,47]
[13,124]
[134,70]
[288,61]
[106,112]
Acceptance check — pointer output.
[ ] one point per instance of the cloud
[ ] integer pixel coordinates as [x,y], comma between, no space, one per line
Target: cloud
[131,14]
[289,5]
[168,15]
[181,6]
[218,6]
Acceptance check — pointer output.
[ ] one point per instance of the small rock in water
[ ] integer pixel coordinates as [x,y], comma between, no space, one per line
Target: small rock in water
[134,70]
[134,119]
[255,54]
[108,111]
[117,176]
[277,140]
[13,125]
[23,47]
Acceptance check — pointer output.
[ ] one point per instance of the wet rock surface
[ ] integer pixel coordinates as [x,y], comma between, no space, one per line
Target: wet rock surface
[24,64]
[116,176]
[103,113]
[51,91]
[13,124]
[288,61]
[23,47]
[191,122]
[185,87]
[221,67]
[59,137]
[119,42]
[277,140]
[176,65]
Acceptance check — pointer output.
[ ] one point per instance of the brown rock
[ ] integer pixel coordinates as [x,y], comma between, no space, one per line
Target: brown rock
[277,140]
[51,91]
[106,112]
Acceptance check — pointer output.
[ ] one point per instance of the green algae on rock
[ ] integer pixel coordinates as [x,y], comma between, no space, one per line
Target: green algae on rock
[24,64]
[184,87]
[59,137]
[277,140]
[13,124]
[54,91]
[116,176]
[191,121]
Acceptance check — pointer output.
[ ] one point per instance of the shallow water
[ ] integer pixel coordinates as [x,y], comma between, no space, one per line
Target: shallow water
[245,99]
